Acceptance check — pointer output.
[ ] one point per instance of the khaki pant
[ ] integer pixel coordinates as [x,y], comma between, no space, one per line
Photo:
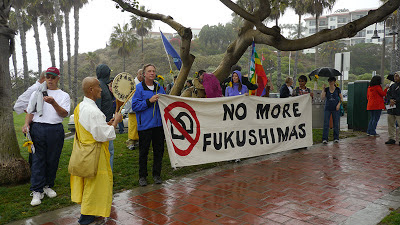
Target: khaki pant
[132,127]
[392,125]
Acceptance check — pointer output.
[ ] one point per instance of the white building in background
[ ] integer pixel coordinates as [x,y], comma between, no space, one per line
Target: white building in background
[169,36]
[336,20]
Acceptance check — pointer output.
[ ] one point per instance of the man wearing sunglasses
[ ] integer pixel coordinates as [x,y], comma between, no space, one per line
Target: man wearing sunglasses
[47,134]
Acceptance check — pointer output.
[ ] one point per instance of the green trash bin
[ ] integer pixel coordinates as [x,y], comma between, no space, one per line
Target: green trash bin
[357,114]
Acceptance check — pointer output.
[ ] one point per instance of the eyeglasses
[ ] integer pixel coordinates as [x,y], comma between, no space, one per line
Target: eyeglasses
[50,77]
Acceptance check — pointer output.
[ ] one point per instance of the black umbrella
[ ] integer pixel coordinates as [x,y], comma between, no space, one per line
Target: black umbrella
[324,72]
[390,77]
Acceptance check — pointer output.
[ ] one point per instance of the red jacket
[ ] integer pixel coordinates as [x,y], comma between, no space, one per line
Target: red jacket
[375,96]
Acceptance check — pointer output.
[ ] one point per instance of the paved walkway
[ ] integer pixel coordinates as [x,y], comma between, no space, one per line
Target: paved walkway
[353,182]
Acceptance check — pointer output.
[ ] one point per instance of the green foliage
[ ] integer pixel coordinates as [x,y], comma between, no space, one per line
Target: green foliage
[392,219]
[215,39]
[365,58]
[123,40]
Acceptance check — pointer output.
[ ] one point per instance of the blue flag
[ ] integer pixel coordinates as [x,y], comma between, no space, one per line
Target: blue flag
[171,51]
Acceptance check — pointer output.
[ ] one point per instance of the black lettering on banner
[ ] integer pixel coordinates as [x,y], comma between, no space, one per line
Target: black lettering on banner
[293,133]
[272,135]
[302,132]
[296,109]
[241,142]
[262,136]
[228,138]
[286,110]
[282,136]
[228,110]
[251,134]
[262,110]
[205,141]
[217,141]
[244,114]
[275,111]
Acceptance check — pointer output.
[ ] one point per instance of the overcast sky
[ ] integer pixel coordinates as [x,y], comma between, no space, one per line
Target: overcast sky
[98,18]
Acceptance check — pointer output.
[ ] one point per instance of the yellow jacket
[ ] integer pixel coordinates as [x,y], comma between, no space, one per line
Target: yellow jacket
[94,194]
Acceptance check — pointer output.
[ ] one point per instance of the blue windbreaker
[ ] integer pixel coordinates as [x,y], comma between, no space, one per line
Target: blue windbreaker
[147,114]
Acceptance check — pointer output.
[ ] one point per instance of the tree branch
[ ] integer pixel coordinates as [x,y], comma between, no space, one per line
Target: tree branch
[346,31]
[186,37]
[256,20]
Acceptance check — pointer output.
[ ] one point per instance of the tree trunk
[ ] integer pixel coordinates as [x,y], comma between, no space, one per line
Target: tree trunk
[13,168]
[316,47]
[397,64]
[14,60]
[60,41]
[37,40]
[75,85]
[68,37]
[124,62]
[278,70]
[296,58]
[22,36]
[142,43]
[50,42]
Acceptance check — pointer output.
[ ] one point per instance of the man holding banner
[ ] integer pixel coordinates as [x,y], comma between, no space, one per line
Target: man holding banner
[144,103]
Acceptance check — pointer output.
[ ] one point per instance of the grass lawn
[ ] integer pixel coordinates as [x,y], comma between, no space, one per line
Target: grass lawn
[392,219]
[15,200]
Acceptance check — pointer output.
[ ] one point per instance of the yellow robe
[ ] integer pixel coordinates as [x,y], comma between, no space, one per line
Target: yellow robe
[132,127]
[94,194]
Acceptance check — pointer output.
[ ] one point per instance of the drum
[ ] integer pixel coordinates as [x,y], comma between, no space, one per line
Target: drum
[123,88]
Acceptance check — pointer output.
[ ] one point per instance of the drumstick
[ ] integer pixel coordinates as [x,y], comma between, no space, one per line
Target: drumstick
[126,100]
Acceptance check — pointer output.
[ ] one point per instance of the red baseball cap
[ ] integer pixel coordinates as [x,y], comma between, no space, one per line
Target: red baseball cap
[53,71]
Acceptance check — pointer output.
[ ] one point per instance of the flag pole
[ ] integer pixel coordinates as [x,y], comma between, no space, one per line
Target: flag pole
[169,62]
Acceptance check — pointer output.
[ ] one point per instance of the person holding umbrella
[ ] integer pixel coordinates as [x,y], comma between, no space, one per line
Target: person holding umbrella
[334,98]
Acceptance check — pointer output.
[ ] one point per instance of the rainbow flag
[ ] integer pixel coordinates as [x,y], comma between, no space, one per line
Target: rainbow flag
[257,73]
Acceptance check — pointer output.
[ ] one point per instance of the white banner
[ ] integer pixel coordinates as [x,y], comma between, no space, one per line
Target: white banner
[205,130]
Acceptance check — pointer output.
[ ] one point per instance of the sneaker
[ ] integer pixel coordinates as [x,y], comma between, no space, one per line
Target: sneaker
[37,197]
[325,142]
[131,147]
[336,141]
[369,134]
[86,219]
[390,142]
[237,160]
[142,181]
[157,180]
[49,192]
[376,135]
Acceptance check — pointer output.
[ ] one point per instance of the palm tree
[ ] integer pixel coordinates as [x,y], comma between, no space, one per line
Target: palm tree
[277,9]
[13,168]
[19,6]
[328,50]
[142,25]
[93,59]
[300,9]
[33,13]
[58,18]
[46,10]
[316,8]
[66,7]
[123,39]
[13,25]
[78,4]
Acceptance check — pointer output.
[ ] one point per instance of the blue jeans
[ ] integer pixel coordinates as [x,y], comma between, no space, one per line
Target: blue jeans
[373,122]
[335,118]
[121,127]
[111,150]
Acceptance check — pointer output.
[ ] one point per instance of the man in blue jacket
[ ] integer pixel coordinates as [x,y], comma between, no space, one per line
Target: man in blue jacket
[144,103]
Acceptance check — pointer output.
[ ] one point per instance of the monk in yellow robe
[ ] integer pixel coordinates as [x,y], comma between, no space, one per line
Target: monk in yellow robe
[95,193]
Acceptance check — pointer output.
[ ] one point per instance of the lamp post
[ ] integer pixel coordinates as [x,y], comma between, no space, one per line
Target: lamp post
[383,51]
[393,33]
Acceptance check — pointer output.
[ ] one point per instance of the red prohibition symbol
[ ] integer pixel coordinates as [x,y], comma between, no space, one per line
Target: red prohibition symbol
[193,142]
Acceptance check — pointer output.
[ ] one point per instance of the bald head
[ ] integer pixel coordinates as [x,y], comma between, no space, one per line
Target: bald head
[91,88]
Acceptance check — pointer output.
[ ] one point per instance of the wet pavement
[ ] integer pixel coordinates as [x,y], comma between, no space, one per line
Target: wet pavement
[352,182]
